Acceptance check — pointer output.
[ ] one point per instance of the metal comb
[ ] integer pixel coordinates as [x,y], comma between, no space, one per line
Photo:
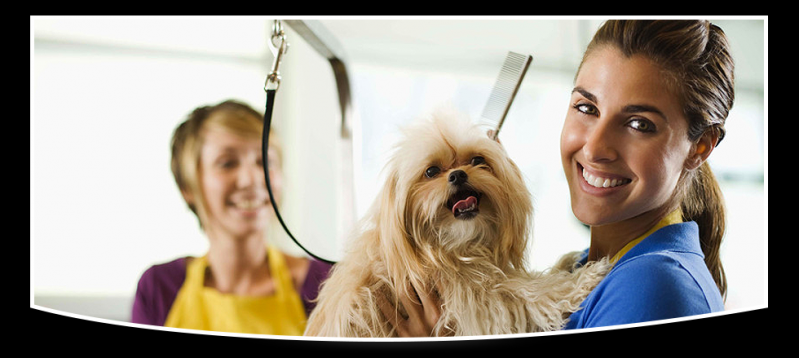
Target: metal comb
[507,84]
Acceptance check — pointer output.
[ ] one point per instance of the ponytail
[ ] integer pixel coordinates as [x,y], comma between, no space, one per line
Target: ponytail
[704,203]
[697,55]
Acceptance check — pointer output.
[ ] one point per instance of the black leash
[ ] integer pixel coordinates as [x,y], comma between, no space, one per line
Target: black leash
[270,101]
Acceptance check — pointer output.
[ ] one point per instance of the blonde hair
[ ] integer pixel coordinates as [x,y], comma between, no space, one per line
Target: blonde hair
[189,137]
[697,55]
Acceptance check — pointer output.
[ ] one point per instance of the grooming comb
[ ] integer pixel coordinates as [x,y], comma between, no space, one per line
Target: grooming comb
[508,82]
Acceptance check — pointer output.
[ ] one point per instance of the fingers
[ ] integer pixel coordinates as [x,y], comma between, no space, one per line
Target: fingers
[431,307]
[412,303]
[423,310]
[389,312]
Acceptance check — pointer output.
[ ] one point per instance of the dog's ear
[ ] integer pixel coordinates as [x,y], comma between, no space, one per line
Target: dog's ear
[387,211]
[519,216]
[394,243]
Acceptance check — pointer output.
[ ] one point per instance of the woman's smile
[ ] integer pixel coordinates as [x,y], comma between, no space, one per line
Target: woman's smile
[602,180]
[624,142]
[249,207]
[233,183]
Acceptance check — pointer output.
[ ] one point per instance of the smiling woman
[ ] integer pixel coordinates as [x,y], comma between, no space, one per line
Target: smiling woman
[617,131]
[226,151]
[243,284]
[648,108]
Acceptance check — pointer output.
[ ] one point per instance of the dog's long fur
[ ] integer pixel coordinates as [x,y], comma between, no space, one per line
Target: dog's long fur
[476,265]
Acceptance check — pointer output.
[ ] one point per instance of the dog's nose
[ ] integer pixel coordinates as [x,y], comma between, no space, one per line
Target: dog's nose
[457,177]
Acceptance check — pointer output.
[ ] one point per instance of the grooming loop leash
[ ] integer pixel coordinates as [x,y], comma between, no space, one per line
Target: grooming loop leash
[278,45]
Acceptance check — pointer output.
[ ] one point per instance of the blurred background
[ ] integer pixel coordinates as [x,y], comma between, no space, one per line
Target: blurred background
[107,92]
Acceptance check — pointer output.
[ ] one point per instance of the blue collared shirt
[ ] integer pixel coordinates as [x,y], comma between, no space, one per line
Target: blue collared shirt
[664,276]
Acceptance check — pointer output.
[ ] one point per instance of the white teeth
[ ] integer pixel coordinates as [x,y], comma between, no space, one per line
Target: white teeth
[247,204]
[470,208]
[602,182]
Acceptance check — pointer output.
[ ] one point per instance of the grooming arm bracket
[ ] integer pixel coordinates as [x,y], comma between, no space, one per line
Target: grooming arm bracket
[321,40]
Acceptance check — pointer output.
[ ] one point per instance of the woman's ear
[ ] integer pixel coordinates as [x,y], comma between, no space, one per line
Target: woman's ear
[701,150]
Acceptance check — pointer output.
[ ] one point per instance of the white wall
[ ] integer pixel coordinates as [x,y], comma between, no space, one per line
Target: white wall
[104,205]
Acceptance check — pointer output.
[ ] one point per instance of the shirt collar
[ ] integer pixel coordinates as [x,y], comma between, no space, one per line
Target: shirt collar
[680,237]
[675,217]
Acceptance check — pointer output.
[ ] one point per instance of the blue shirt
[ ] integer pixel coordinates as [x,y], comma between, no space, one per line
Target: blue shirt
[664,276]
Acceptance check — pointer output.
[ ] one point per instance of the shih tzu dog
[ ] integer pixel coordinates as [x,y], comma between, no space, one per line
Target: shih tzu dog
[453,218]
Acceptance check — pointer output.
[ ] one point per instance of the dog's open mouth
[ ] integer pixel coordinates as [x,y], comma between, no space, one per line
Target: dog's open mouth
[464,203]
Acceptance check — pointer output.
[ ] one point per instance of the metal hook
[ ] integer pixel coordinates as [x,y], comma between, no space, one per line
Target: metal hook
[278,50]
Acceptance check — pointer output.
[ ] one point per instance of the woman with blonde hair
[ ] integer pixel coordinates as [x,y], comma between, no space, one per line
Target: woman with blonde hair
[243,284]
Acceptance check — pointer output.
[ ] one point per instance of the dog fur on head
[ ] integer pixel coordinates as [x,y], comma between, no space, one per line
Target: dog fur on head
[453,218]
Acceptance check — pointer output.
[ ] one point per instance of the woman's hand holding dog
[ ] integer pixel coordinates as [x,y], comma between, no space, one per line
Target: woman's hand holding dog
[423,311]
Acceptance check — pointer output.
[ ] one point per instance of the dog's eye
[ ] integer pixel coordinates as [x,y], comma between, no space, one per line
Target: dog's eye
[478,160]
[432,171]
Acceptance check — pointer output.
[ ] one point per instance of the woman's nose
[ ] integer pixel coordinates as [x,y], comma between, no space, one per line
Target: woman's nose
[250,174]
[600,144]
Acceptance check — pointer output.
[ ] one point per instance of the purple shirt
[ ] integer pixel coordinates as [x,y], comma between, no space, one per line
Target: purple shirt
[159,285]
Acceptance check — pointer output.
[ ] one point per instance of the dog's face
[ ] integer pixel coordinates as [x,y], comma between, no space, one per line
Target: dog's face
[452,187]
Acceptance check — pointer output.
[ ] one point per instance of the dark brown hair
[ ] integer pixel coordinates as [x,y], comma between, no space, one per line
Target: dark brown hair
[696,54]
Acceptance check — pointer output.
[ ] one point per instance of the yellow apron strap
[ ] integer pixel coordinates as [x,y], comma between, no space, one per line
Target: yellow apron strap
[187,310]
[294,308]
[674,217]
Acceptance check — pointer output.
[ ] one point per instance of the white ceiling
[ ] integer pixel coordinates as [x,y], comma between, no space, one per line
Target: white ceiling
[481,45]
[431,44]
[554,44]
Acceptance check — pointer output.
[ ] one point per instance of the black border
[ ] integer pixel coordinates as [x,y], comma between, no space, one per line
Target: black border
[59,333]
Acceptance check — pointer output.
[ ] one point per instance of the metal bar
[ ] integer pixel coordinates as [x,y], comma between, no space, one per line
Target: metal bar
[321,40]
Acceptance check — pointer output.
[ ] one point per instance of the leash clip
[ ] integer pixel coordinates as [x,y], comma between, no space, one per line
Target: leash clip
[278,46]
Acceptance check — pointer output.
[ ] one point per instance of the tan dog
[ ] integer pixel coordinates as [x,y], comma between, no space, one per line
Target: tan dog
[453,217]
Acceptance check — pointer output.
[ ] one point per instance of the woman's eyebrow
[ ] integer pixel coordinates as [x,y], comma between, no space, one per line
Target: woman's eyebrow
[588,95]
[633,108]
[643,108]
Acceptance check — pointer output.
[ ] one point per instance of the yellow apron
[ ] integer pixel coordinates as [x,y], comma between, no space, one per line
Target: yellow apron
[205,308]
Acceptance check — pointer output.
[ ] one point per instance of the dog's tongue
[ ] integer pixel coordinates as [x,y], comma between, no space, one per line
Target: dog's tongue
[464,204]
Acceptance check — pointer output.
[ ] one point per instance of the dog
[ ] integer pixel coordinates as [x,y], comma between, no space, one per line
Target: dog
[453,218]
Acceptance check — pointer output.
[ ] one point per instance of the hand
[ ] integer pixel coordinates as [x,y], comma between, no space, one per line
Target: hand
[424,311]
